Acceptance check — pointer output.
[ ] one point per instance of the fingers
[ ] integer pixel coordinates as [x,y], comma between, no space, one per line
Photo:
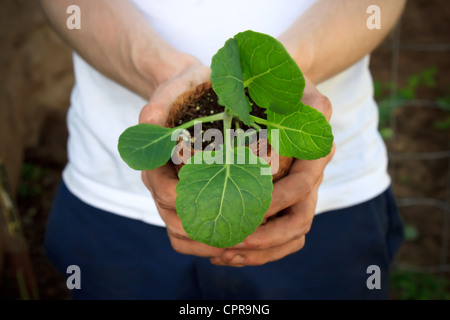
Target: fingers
[278,238]
[303,178]
[296,193]
[291,225]
[162,183]
[257,257]
[180,240]
[191,247]
[303,175]
[312,97]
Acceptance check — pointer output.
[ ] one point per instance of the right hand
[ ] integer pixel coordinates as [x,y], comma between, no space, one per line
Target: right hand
[162,181]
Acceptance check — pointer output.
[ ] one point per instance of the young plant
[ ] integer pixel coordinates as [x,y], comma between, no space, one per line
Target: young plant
[221,202]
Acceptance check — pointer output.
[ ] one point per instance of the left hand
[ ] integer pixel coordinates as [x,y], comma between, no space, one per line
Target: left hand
[162,181]
[294,197]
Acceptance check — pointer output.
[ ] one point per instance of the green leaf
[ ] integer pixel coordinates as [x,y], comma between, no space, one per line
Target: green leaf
[146,146]
[260,63]
[273,78]
[222,204]
[227,82]
[304,133]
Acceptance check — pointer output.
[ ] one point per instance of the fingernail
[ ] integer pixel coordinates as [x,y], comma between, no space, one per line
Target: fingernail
[238,259]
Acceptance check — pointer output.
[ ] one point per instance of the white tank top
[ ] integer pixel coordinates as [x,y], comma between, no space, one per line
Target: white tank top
[102,109]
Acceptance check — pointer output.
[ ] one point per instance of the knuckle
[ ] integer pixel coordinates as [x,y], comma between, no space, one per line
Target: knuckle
[263,243]
[307,186]
[325,102]
[310,184]
[332,152]
[227,257]
[302,223]
[319,181]
[307,228]
[256,260]
[325,106]
[155,111]
[251,261]
[175,243]
[144,179]
[301,243]
[146,113]
[164,200]
[256,243]
[298,244]
[176,235]
[301,230]
[143,114]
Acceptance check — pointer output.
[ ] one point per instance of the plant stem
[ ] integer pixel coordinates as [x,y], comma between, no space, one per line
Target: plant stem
[238,132]
[214,117]
[249,134]
[257,127]
[260,121]
[227,118]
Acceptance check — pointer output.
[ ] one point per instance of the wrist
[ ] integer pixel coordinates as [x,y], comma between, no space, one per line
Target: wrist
[158,62]
[302,51]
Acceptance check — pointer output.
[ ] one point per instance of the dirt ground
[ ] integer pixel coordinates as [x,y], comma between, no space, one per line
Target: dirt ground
[418,129]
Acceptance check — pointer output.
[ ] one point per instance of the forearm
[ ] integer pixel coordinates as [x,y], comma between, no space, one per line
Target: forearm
[117,40]
[332,35]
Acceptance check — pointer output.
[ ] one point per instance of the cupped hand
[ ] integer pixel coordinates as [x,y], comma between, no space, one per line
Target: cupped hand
[162,181]
[292,209]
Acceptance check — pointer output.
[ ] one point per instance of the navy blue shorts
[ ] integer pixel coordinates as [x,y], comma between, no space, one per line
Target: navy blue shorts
[121,258]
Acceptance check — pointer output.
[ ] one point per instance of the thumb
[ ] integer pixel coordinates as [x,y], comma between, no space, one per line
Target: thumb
[158,108]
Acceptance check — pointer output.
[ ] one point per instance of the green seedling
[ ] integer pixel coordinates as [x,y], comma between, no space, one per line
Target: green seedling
[223,202]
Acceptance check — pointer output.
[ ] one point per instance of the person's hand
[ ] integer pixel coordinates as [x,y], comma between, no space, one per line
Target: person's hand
[292,209]
[162,181]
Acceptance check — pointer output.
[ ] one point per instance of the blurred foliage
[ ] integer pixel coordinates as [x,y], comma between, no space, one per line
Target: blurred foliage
[30,184]
[442,125]
[411,232]
[425,78]
[409,285]
[386,103]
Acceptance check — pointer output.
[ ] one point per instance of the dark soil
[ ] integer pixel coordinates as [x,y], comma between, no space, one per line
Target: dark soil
[208,105]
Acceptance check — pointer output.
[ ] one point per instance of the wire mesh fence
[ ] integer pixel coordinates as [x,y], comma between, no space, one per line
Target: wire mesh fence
[393,102]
